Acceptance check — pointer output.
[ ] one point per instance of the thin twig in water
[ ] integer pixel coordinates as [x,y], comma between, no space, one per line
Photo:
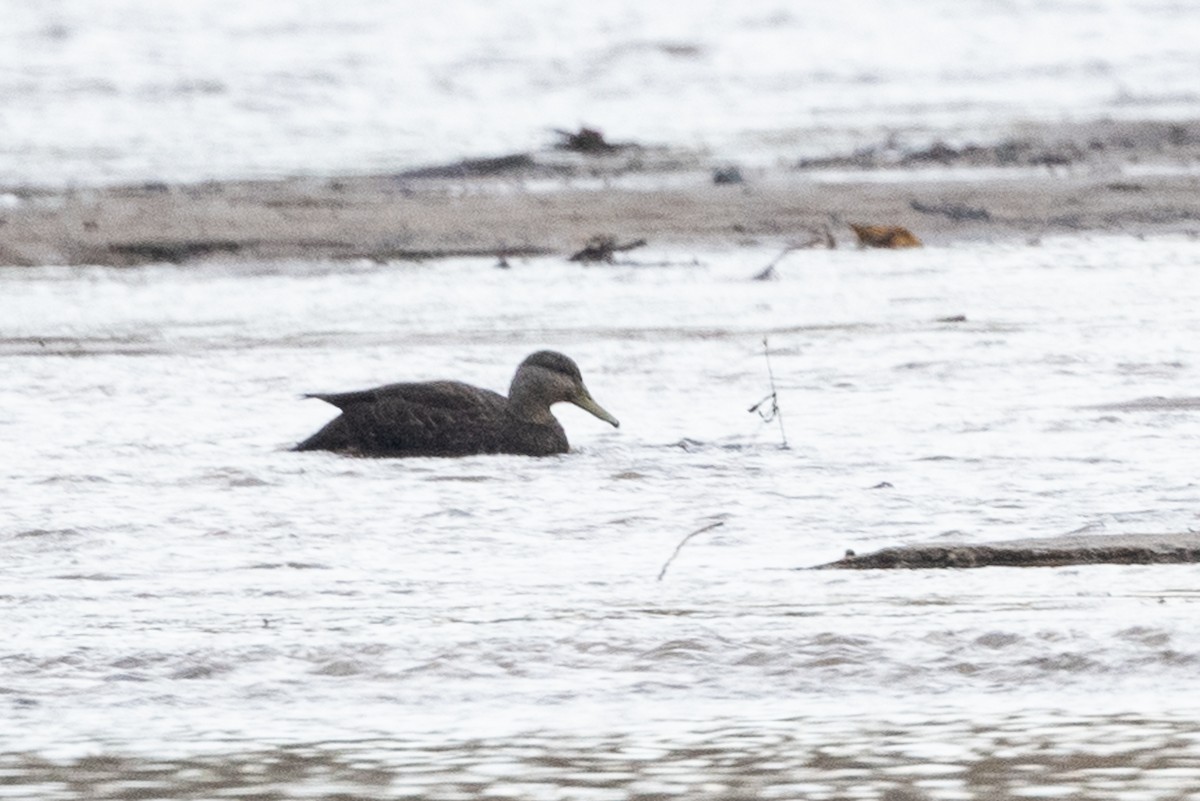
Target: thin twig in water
[774,412]
[683,542]
[821,238]
[768,273]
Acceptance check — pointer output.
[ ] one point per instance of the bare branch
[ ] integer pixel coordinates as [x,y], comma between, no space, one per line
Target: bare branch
[773,412]
[683,542]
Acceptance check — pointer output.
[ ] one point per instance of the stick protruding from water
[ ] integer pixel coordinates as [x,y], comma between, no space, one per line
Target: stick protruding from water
[683,542]
[772,412]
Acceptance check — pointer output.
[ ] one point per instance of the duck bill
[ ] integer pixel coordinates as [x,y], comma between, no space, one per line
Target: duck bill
[585,401]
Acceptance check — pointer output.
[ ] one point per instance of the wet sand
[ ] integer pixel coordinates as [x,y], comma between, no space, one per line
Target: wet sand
[1130,178]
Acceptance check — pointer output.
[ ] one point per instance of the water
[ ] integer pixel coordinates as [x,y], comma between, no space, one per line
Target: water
[192,611]
[129,90]
[190,606]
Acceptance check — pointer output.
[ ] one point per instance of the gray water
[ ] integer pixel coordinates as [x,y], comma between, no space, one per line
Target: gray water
[154,90]
[192,611]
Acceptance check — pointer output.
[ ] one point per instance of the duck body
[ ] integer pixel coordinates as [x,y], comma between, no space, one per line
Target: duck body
[436,418]
[450,418]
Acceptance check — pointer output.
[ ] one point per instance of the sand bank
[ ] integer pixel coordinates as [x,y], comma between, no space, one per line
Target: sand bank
[1133,178]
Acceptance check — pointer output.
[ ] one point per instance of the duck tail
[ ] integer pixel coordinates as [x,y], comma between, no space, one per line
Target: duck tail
[330,438]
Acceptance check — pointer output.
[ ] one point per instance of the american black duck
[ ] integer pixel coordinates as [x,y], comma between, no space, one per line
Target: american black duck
[450,418]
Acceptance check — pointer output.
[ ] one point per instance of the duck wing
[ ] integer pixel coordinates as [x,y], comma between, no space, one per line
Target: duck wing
[434,394]
[416,419]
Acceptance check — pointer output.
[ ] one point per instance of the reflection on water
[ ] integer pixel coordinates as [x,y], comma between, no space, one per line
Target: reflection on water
[188,605]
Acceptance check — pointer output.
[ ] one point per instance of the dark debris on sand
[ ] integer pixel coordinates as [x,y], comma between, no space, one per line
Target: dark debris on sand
[603,249]
[588,140]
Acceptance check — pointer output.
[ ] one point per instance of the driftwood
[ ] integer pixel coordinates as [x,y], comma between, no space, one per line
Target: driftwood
[586,140]
[173,252]
[1120,549]
[601,249]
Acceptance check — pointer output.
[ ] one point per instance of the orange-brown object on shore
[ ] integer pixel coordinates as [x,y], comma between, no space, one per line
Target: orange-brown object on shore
[885,236]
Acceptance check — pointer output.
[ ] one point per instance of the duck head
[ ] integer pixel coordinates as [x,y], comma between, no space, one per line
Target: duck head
[548,377]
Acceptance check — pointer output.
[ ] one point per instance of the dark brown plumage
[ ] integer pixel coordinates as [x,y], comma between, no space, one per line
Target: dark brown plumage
[449,418]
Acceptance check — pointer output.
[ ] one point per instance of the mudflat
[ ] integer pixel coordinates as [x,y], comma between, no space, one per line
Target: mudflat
[1129,177]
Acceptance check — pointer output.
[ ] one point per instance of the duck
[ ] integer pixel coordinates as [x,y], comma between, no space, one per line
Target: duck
[451,418]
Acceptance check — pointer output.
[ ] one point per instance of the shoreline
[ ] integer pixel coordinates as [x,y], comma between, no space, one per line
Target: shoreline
[1125,178]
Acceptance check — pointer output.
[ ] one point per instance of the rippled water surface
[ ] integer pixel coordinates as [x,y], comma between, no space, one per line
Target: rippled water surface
[190,606]
[136,90]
